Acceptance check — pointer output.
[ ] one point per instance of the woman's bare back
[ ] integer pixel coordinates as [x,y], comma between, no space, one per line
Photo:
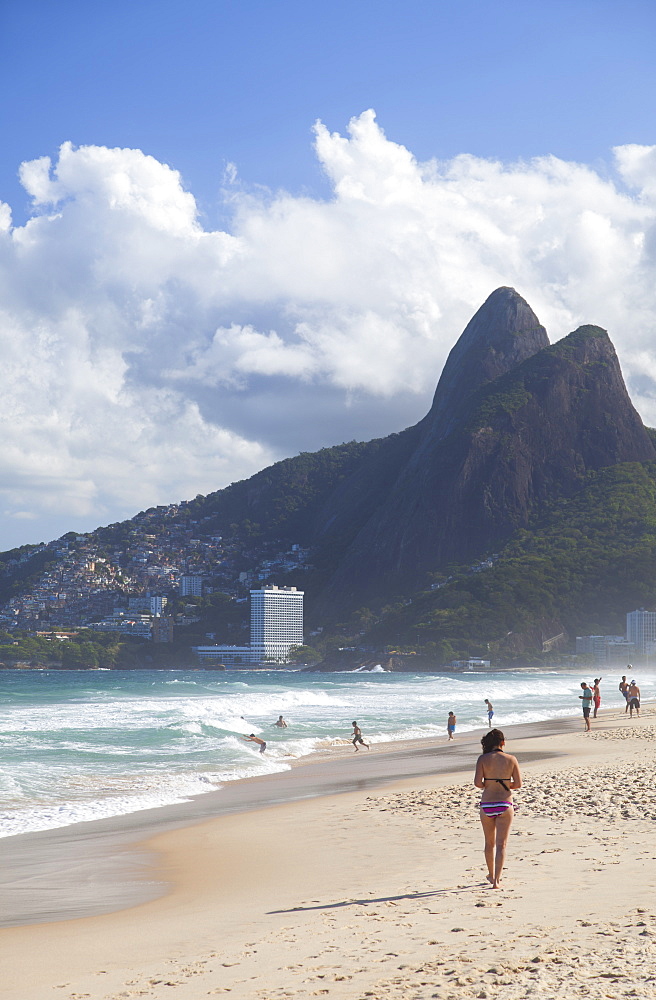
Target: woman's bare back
[497,773]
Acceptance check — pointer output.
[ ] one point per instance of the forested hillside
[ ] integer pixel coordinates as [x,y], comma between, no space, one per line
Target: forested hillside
[585,562]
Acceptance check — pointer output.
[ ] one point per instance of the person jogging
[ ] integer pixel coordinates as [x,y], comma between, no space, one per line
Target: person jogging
[357,737]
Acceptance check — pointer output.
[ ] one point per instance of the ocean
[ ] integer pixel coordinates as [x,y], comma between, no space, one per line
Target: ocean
[84,745]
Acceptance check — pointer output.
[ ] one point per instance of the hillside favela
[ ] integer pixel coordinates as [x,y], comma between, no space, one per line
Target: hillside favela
[513,526]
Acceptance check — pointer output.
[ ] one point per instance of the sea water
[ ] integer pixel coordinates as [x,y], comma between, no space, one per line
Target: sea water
[83,745]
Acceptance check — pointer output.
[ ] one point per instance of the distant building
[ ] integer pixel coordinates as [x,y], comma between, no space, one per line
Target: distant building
[230,656]
[597,646]
[154,605]
[162,629]
[157,604]
[473,663]
[622,652]
[134,626]
[641,630]
[276,622]
[191,586]
[276,627]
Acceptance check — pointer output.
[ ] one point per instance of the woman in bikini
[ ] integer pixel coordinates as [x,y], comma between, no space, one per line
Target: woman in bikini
[497,773]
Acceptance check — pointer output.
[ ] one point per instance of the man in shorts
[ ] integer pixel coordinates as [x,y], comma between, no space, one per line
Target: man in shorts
[256,739]
[490,712]
[586,699]
[633,699]
[357,737]
[624,688]
[451,725]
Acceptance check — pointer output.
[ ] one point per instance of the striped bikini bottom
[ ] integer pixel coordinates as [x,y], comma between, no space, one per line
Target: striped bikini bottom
[496,808]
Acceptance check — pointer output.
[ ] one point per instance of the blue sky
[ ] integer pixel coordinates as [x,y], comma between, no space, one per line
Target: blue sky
[200,83]
[204,281]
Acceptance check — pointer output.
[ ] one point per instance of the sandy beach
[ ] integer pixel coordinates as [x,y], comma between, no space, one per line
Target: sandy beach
[379,891]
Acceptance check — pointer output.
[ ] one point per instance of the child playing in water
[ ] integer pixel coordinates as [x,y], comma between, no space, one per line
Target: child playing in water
[451,725]
[256,739]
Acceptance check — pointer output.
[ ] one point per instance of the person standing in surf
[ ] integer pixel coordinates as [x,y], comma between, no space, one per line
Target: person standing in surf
[498,774]
[596,696]
[624,688]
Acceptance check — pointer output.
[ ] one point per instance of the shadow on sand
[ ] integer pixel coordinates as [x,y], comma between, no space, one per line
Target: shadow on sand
[433,894]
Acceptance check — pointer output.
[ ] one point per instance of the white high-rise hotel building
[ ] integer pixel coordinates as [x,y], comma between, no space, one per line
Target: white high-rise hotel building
[276,622]
[641,630]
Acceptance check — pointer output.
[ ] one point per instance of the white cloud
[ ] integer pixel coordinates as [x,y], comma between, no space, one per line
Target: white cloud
[146,359]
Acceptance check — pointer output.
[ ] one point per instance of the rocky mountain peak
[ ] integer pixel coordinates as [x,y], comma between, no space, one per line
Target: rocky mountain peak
[489,460]
[503,333]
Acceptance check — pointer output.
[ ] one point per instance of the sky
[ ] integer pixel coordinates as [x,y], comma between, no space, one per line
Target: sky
[235,230]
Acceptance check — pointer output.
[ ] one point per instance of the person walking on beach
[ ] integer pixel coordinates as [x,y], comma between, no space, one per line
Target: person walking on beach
[497,773]
[633,699]
[586,699]
[357,737]
[624,688]
[256,739]
[281,724]
[451,725]
[596,696]
[490,712]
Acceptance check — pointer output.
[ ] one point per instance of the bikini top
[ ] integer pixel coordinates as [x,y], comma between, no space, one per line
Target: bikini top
[502,781]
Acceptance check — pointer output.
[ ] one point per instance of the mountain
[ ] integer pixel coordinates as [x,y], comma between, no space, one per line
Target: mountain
[582,563]
[528,435]
[515,425]
[504,332]
[531,465]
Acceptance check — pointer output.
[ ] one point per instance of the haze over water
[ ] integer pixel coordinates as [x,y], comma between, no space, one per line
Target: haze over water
[85,745]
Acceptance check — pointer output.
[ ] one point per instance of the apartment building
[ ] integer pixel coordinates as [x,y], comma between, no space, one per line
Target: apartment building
[641,630]
[276,622]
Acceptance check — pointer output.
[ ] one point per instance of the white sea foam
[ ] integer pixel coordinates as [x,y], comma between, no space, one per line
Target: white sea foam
[57,813]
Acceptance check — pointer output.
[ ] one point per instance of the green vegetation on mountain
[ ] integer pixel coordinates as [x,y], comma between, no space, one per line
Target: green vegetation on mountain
[283,499]
[20,567]
[584,562]
[84,651]
[515,388]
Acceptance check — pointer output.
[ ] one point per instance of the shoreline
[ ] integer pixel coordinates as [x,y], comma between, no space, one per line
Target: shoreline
[379,891]
[105,865]
[21,665]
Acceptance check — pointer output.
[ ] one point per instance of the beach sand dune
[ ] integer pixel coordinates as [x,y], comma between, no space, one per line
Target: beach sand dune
[382,894]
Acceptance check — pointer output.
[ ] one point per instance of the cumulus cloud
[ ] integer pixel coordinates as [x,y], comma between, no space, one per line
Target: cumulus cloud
[146,359]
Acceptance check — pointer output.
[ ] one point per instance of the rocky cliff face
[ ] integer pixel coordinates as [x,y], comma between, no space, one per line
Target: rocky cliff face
[504,332]
[486,458]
